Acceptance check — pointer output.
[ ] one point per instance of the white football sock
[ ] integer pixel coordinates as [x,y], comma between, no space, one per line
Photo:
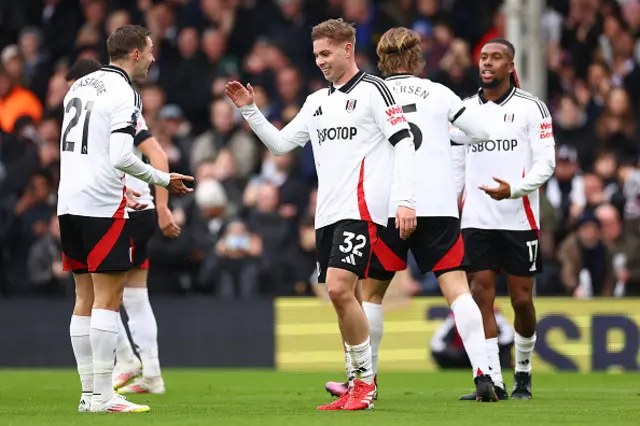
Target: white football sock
[104,339]
[361,361]
[493,353]
[124,351]
[469,324]
[524,351]
[375,317]
[144,329]
[79,331]
[348,366]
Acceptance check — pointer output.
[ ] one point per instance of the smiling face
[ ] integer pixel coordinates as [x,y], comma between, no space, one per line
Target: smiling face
[496,65]
[332,58]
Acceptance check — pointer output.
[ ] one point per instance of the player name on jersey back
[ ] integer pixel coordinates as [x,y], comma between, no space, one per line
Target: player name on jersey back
[519,121]
[352,130]
[96,105]
[429,108]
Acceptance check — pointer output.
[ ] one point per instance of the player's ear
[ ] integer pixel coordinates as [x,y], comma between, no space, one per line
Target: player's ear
[348,48]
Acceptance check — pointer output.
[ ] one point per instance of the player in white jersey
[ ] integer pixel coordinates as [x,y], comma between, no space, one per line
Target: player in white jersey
[436,243]
[135,298]
[101,112]
[358,133]
[501,225]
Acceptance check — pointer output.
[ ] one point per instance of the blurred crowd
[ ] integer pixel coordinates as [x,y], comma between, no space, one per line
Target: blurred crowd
[248,226]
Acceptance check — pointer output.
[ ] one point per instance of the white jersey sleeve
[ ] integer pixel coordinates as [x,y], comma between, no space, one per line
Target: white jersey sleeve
[293,135]
[543,155]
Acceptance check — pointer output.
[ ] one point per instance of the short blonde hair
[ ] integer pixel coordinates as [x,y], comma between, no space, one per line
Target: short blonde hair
[337,30]
[399,50]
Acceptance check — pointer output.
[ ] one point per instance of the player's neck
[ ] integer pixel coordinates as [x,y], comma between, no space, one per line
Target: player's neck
[126,67]
[495,93]
[348,75]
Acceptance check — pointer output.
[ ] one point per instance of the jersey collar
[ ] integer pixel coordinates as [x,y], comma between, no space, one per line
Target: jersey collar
[349,85]
[399,76]
[117,70]
[501,100]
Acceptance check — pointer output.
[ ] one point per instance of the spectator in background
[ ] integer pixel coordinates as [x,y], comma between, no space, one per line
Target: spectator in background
[239,251]
[225,133]
[153,99]
[277,170]
[116,19]
[565,190]
[616,128]
[291,29]
[629,177]
[189,74]
[593,191]
[456,70]
[172,122]
[611,230]
[300,260]
[605,167]
[37,63]
[31,215]
[273,230]
[571,128]
[15,100]
[44,263]
[585,261]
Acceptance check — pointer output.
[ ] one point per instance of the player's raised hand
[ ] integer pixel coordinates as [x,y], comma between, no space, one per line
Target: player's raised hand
[176,184]
[167,223]
[132,200]
[501,192]
[240,95]
[406,221]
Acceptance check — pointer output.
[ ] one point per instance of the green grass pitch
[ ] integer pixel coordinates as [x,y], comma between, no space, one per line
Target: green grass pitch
[246,397]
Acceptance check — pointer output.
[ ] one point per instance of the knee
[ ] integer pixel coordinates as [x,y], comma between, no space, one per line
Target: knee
[339,293]
[521,303]
[482,293]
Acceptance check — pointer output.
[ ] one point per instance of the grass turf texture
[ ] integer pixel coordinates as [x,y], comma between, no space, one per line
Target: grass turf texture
[234,397]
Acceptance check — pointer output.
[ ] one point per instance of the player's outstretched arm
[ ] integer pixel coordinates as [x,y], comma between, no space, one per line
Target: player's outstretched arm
[279,142]
[467,120]
[123,159]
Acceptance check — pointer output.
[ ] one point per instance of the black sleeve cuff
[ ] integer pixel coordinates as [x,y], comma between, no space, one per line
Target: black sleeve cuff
[458,114]
[130,130]
[398,136]
[142,136]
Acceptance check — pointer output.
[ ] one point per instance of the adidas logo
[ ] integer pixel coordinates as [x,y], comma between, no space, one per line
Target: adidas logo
[349,260]
[525,362]
[318,112]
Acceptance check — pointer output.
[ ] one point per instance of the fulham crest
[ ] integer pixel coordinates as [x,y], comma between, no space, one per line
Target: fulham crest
[351,105]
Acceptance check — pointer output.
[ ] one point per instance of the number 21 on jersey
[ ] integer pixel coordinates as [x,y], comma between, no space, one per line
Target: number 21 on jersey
[75,104]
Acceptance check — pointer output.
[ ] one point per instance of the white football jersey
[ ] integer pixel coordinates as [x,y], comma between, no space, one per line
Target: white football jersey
[97,105]
[521,132]
[136,184]
[429,107]
[352,130]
